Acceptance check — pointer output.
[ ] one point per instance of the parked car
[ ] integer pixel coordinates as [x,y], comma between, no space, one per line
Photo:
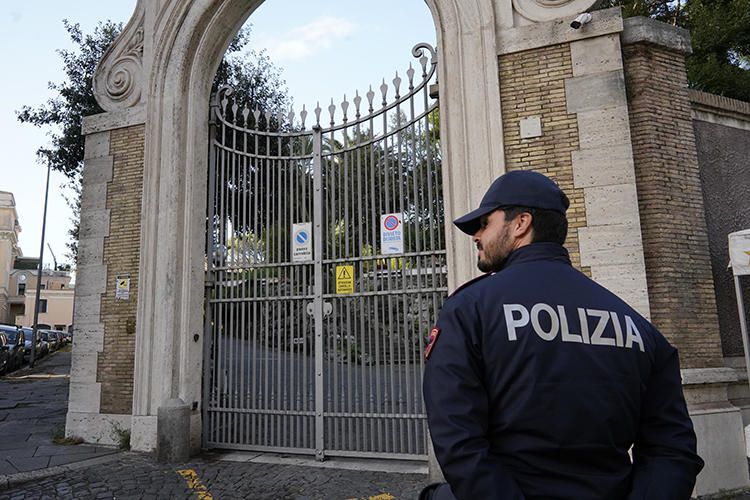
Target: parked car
[51,338]
[15,346]
[61,342]
[41,349]
[4,354]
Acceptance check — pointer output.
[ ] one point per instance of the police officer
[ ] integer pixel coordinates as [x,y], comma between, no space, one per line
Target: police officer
[538,381]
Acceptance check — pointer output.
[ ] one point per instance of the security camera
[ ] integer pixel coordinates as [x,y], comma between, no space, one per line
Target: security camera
[580,20]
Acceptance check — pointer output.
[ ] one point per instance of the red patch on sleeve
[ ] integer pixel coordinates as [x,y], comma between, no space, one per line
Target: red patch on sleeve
[431,342]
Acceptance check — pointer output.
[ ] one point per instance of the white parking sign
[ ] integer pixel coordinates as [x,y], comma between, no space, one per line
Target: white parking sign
[391,234]
[302,249]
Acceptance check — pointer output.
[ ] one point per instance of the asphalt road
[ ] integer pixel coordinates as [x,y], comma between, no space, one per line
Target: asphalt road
[33,403]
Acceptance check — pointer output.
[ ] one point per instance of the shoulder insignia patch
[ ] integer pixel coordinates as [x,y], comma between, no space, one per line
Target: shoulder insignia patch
[431,342]
[471,282]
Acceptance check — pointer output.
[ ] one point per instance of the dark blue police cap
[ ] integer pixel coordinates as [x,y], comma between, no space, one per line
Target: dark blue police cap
[522,188]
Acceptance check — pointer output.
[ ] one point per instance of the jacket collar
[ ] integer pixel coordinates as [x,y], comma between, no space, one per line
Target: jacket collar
[538,251]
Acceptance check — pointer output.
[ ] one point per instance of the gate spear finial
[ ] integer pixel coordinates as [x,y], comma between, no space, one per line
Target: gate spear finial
[344,107]
[317,114]
[384,91]
[357,100]
[303,116]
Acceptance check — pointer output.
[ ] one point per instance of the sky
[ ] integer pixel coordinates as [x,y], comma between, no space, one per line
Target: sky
[326,49]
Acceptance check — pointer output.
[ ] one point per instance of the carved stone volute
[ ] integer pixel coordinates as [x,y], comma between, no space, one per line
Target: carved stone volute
[547,10]
[119,78]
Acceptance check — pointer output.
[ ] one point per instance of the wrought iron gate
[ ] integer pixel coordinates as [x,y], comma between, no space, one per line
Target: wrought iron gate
[325,271]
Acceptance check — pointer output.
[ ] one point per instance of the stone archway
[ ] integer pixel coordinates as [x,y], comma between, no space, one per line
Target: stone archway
[160,72]
[131,357]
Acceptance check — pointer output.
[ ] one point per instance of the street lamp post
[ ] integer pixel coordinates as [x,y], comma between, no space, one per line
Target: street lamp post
[39,272]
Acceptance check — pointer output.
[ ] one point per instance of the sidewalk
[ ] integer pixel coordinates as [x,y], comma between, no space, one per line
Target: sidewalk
[34,402]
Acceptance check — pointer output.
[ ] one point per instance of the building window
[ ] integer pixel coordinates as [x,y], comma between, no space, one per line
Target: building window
[42,305]
[22,289]
[43,286]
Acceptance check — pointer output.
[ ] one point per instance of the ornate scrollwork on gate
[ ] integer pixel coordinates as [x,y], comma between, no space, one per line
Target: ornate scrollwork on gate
[232,114]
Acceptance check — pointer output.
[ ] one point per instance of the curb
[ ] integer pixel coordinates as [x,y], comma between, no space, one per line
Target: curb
[11,480]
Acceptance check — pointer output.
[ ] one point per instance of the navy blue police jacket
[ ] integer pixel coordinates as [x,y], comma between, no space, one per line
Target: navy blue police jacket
[538,383]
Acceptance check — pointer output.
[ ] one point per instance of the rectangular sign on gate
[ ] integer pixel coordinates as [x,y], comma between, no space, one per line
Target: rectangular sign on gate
[391,234]
[344,279]
[302,249]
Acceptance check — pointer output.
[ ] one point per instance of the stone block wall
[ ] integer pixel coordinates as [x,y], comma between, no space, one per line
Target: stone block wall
[564,111]
[533,89]
[675,237]
[121,257]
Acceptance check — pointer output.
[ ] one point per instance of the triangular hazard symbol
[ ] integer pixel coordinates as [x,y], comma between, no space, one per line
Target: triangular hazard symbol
[344,274]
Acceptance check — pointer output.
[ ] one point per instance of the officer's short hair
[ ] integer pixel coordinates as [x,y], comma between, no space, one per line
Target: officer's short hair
[550,226]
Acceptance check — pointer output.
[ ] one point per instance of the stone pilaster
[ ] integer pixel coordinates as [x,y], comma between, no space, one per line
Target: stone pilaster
[571,83]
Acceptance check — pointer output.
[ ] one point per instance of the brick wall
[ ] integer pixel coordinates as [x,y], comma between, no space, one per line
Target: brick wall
[121,252]
[675,238]
[532,83]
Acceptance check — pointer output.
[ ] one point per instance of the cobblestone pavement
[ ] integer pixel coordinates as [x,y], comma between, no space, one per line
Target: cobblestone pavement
[136,476]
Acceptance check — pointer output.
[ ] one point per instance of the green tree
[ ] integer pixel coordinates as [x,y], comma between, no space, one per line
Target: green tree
[74,98]
[720,33]
[258,82]
[64,112]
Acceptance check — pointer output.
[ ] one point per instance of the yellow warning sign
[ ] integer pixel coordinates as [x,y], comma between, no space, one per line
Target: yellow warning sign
[123,287]
[344,279]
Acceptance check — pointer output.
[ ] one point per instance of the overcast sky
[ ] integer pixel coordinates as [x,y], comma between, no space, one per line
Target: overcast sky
[326,48]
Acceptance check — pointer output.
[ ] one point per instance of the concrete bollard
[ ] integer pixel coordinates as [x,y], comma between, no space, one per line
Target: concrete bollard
[173,432]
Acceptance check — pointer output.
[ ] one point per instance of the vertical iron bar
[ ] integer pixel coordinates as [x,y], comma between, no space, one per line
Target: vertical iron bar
[399,135]
[222,242]
[232,288]
[374,382]
[318,281]
[359,407]
[345,303]
[210,276]
[255,368]
[270,417]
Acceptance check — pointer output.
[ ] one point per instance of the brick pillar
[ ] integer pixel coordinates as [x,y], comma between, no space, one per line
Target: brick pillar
[121,256]
[675,241]
[102,368]
[670,198]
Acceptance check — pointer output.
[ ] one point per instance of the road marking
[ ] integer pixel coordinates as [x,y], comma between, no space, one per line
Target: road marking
[37,375]
[383,496]
[195,484]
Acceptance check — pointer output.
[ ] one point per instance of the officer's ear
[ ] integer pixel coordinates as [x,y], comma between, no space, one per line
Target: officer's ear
[521,225]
